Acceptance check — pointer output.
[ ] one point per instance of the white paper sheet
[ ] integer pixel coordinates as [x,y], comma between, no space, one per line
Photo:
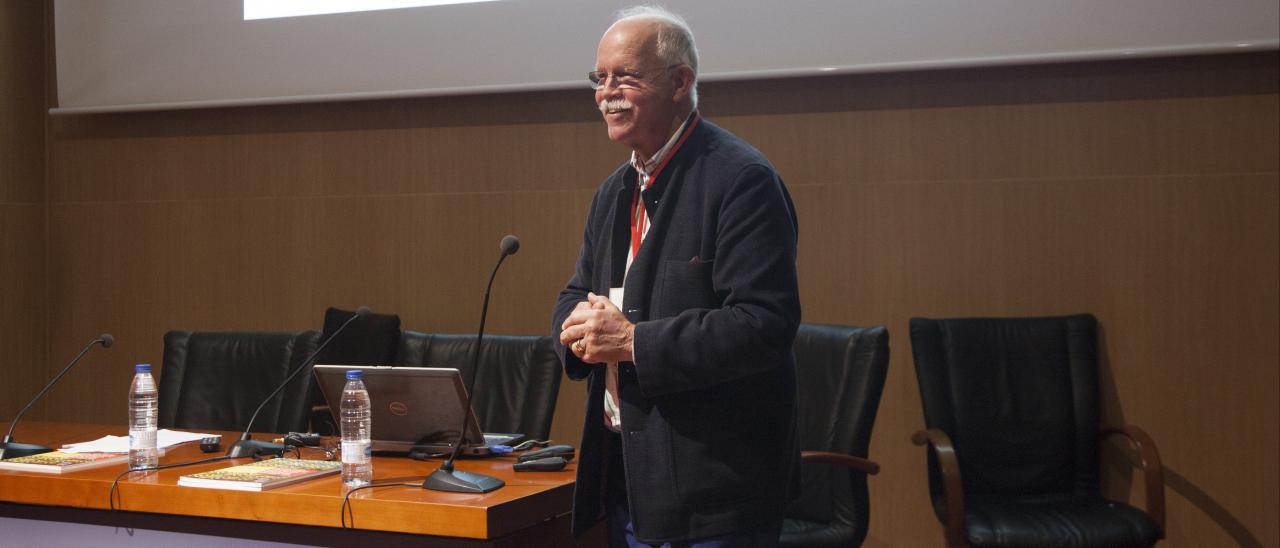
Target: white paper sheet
[120,444]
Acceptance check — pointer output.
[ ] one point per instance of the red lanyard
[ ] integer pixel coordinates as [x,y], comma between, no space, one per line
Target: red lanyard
[638,216]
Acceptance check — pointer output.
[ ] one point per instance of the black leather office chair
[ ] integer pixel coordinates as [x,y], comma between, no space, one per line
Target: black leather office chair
[519,376]
[840,376]
[371,340]
[1011,407]
[215,380]
[411,350]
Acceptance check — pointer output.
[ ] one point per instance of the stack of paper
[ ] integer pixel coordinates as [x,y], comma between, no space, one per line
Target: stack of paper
[120,444]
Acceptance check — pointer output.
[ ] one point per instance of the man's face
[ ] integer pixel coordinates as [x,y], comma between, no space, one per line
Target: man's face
[639,112]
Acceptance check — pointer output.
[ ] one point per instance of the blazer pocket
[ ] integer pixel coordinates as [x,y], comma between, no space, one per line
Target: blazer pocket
[712,454]
[682,285]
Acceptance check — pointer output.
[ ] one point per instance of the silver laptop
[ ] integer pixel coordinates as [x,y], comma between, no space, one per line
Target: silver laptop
[415,409]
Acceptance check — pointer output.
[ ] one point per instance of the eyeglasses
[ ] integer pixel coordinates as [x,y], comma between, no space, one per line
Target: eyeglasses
[623,79]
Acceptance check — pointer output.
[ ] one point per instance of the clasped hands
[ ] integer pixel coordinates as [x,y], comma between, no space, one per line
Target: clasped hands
[597,332]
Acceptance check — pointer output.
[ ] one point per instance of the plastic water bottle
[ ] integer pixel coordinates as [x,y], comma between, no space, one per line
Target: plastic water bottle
[144,409]
[357,457]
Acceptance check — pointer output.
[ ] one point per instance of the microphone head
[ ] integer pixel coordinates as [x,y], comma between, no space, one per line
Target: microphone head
[510,245]
[107,340]
[362,311]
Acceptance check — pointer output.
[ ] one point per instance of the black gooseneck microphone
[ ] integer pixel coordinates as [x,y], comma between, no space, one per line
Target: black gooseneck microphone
[10,449]
[248,447]
[446,478]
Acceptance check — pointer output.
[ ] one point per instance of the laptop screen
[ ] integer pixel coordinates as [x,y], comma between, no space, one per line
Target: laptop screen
[411,406]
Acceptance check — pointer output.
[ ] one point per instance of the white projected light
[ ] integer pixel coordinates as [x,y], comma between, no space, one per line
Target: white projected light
[272,9]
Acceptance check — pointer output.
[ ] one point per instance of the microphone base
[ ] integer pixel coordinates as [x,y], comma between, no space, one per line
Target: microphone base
[255,449]
[13,450]
[458,481]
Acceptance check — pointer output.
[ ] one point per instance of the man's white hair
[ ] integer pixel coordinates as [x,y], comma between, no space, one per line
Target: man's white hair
[675,40]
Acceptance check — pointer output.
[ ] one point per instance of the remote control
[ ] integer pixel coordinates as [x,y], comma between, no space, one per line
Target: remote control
[564,451]
[549,464]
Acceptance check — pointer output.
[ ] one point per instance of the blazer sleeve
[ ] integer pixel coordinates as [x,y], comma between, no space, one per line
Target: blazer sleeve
[573,293]
[753,279]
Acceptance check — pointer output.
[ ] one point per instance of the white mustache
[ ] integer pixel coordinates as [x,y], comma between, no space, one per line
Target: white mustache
[607,105]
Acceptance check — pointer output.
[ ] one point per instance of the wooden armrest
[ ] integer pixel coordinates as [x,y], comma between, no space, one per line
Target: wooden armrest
[1152,469]
[952,488]
[827,457]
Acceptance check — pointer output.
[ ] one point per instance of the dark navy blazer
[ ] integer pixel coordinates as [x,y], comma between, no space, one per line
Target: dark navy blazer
[708,412]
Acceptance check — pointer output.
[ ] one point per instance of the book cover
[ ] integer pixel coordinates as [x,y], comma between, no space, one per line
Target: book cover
[262,475]
[58,462]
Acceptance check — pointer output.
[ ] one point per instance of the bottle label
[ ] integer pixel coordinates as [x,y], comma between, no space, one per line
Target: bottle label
[142,439]
[356,452]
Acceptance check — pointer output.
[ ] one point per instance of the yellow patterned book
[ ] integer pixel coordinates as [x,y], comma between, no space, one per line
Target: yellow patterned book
[57,462]
[262,475]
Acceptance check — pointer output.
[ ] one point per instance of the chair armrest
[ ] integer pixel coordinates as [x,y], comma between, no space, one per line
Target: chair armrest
[1152,469]
[850,461]
[952,488]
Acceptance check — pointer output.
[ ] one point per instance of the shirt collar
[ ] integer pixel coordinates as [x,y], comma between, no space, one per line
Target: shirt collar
[646,167]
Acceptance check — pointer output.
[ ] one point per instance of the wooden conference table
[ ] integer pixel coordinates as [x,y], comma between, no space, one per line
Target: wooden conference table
[530,510]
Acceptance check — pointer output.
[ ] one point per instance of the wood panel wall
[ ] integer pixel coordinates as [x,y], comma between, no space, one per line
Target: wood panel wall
[1144,191]
[22,206]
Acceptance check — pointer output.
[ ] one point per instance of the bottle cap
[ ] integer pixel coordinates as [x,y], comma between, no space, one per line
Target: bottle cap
[355,374]
[142,368]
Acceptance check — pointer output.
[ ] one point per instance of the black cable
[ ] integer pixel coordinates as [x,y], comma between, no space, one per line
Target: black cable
[330,453]
[111,495]
[528,444]
[347,498]
[295,442]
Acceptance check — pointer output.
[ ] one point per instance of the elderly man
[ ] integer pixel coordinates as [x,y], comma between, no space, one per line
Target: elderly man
[681,312]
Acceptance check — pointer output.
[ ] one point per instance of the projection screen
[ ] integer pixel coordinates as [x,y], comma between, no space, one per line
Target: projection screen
[119,55]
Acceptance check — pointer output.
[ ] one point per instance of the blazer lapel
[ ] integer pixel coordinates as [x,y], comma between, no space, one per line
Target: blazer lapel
[619,235]
[661,201]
